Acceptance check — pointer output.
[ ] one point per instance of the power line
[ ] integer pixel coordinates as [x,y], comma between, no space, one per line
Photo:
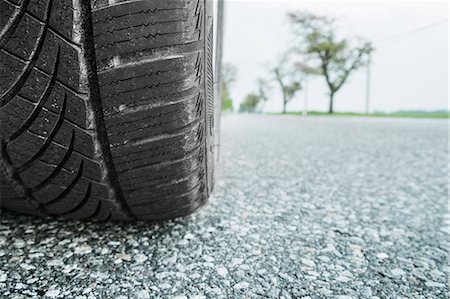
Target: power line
[383,39]
[388,38]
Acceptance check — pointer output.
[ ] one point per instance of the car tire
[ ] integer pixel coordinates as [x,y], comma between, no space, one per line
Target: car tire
[107,108]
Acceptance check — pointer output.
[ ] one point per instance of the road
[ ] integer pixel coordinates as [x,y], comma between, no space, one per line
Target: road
[317,206]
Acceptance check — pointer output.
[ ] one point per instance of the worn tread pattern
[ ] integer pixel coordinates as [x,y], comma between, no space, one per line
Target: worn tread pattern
[106,111]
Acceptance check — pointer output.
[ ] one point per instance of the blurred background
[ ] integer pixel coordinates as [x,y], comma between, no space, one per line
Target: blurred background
[371,56]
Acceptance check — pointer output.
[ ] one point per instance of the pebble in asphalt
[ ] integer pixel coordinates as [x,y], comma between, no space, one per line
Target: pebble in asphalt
[304,207]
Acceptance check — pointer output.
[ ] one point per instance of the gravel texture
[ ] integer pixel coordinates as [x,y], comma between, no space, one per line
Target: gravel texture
[318,207]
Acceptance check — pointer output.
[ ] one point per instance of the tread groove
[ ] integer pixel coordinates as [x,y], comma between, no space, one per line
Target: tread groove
[96,211]
[151,74]
[13,22]
[149,87]
[68,188]
[102,145]
[187,192]
[187,156]
[58,168]
[174,133]
[42,100]
[68,121]
[17,85]
[50,28]
[6,160]
[136,26]
[48,139]
[80,204]
[166,100]
[108,19]
[146,37]
[38,69]
[64,147]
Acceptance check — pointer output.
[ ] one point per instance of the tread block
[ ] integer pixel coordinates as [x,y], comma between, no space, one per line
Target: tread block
[65,203]
[36,174]
[75,107]
[33,87]
[38,8]
[176,207]
[14,115]
[161,173]
[112,40]
[34,138]
[68,72]
[10,70]
[62,17]
[20,46]
[146,80]
[177,187]
[154,122]
[172,147]
[6,12]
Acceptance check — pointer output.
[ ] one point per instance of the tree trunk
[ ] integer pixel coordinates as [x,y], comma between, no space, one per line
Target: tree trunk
[284,106]
[330,109]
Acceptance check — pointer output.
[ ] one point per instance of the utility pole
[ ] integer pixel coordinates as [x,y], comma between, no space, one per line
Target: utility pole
[305,99]
[368,77]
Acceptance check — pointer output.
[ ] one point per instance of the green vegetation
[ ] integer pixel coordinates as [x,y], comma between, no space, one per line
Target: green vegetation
[406,114]
[228,77]
[250,103]
[227,101]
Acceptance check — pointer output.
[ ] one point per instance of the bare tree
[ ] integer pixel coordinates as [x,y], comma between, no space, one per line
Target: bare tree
[263,91]
[335,59]
[288,79]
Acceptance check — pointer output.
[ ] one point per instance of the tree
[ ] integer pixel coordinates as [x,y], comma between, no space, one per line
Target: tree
[228,77]
[263,91]
[332,57]
[250,103]
[288,79]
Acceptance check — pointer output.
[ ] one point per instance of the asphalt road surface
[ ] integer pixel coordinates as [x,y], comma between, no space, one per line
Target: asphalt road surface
[304,207]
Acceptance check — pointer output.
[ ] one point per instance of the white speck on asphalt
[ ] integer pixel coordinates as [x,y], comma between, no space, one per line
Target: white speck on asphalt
[55,263]
[124,257]
[208,258]
[222,271]
[308,262]
[83,249]
[87,290]
[140,258]
[382,256]
[398,272]
[52,293]
[241,286]
[3,276]
[27,266]
[143,294]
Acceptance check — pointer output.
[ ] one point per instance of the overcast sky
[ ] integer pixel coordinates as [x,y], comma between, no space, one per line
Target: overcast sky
[409,71]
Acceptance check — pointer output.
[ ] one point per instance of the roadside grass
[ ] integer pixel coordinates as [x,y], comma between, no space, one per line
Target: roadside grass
[406,114]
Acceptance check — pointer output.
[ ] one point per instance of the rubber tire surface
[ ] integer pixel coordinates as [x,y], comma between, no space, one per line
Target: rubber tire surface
[107,108]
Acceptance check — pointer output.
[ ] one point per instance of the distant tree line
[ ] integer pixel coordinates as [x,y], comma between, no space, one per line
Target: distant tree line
[317,51]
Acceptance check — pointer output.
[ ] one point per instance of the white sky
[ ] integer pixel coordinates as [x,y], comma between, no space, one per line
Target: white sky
[408,72]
